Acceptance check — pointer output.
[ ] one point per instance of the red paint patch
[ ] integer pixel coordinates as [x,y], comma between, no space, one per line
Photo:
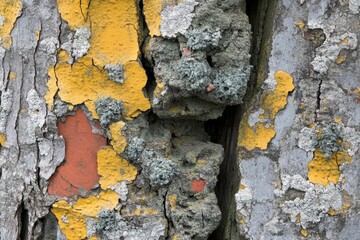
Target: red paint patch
[80,168]
[198,185]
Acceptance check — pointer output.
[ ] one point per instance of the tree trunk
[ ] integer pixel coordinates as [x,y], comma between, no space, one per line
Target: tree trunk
[191,119]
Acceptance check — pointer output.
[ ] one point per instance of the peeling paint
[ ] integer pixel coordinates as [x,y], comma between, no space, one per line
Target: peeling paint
[79,172]
[271,102]
[152,10]
[74,227]
[74,12]
[9,10]
[118,141]
[113,169]
[2,139]
[84,83]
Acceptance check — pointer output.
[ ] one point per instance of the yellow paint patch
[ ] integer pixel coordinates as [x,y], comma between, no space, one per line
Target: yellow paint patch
[341,58]
[176,237]
[114,39]
[304,232]
[347,201]
[326,170]
[298,218]
[10,10]
[83,82]
[152,10]
[52,88]
[74,12]
[113,169]
[172,201]
[2,139]
[118,141]
[71,219]
[114,26]
[12,76]
[301,24]
[140,211]
[271,102]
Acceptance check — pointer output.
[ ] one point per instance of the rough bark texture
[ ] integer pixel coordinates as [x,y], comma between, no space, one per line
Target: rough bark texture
[159,119]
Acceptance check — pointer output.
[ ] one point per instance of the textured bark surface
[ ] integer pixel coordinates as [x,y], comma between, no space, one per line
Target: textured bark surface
[192,119]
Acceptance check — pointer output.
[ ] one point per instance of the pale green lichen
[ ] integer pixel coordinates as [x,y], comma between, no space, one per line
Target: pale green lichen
[231,83]
[330,140]
[109,110]
[201,39]
[115,72]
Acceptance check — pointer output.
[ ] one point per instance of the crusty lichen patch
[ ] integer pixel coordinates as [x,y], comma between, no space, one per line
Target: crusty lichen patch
[9,11]
[72,219]
[271,101]
[324,170]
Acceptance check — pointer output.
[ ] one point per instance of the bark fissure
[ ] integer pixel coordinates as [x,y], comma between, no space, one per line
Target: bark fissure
[225,129]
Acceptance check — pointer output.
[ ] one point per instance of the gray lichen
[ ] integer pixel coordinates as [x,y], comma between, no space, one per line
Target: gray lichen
[196,74]
[115,72]
[107,221]
[201,39]
[177,19]
[134,149]
[80,45]
[329,141]
[230,84]
[161,172]
[109,110]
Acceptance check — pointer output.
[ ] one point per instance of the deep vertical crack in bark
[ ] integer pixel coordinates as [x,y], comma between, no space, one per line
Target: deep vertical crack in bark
[225,129]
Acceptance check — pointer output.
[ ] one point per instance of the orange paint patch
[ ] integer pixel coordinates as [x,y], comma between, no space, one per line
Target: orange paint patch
[198,185]
[79,172]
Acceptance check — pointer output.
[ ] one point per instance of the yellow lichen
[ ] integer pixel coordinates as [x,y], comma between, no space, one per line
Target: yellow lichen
[152,10]
[172,201]
[341,58]
[12,76]
[9,10]
[271,102]
[118,141]
[326,170]
[71,219]
[140,211]
[113,169]
[304,232]
[301,24]
[2,139]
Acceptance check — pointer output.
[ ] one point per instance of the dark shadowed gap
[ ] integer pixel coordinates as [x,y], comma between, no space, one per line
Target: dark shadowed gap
[24,222]
[224,130]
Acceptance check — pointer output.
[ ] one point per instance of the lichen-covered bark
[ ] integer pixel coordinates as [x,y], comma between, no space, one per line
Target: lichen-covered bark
[104,106]
[82,155]
[301,181]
